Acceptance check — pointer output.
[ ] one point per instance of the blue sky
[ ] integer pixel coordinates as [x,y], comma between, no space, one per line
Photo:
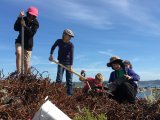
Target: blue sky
[104,28]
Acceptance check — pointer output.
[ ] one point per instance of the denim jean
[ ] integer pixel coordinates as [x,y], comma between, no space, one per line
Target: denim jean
[69,76]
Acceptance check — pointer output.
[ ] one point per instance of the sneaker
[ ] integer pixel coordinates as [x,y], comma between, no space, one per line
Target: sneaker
[69,96]
[14,74]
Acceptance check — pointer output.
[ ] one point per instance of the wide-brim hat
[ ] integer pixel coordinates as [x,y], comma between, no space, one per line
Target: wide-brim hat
[114,59]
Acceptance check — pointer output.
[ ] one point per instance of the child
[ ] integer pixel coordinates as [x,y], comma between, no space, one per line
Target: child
[93,84]
[30,24]
[65,57]
[128,64]
[122,81]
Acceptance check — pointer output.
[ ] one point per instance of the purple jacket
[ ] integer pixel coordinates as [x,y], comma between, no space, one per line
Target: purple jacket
[65,52]
[130,72]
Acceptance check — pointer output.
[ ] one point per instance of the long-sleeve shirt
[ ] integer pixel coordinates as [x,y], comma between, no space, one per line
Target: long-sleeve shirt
[29,32]
[65,52]
[134,77]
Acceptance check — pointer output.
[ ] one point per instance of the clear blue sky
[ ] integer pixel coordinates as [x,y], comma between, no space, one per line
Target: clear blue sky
[103,28]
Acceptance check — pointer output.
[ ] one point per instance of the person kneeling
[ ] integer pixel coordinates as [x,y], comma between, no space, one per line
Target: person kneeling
[92,86]
[122,81]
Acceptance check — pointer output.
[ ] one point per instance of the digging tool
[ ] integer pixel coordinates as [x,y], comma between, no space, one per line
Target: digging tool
[22,50]
[90,89]
[72,72]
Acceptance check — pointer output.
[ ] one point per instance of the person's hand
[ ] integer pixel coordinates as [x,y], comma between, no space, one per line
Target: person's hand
[82,78]
[23,23]
[128,77]
[21,14]
[51,57]
[70,68]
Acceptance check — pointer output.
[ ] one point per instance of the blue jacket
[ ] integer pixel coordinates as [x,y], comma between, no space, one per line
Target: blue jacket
[130,72]
[65,52]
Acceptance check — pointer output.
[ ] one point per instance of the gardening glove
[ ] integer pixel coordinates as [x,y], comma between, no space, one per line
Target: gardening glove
[51,57]
[23,23]
[21,14]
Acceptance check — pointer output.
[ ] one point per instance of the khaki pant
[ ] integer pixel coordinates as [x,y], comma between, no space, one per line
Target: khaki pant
[27,56]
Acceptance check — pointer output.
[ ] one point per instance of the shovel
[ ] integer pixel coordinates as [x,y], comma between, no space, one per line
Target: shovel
[22,41]
[72,72]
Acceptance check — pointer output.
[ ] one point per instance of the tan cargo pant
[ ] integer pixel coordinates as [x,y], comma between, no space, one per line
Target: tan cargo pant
[27,56]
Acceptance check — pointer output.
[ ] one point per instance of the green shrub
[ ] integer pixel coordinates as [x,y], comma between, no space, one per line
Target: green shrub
[153,97]
[87,115]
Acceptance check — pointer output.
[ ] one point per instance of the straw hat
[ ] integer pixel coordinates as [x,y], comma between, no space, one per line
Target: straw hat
[114,59]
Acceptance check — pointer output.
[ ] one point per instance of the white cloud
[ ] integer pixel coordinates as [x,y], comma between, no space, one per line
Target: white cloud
[123,4]
[134,14]
[136,59]
[87,15]
[137,14]
[74,11]
[107,52]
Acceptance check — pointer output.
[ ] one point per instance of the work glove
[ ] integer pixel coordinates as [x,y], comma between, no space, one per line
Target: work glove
[23,23]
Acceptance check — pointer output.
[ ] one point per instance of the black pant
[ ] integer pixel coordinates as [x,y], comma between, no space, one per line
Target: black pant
[123,90]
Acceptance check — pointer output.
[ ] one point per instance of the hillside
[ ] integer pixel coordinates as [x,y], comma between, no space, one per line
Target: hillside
[21,98]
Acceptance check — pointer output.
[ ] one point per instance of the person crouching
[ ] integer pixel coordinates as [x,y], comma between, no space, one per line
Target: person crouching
[122,81]
[93,85]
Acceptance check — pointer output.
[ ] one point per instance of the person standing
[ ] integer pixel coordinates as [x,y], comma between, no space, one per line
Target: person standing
[30,24]
[65,57]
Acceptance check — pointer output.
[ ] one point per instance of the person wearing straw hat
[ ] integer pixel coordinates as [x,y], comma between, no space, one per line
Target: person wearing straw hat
[122,81]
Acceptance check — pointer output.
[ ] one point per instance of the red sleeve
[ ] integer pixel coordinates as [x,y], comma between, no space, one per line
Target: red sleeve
[90,79]
[90,82]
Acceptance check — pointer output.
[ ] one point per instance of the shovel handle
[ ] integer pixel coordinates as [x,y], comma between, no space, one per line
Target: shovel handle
[22,43]
[72,72]
[68,69]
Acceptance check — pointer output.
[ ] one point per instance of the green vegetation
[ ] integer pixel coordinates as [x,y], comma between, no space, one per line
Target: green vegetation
[87,115]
